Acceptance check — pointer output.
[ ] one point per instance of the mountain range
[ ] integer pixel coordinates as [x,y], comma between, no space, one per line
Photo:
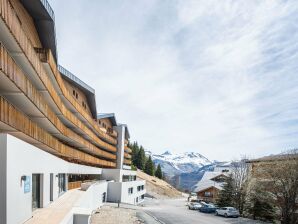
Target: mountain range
[183,170]
[173,164]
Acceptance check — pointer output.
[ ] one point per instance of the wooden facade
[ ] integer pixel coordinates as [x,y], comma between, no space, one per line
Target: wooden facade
[209,194]
[33,72]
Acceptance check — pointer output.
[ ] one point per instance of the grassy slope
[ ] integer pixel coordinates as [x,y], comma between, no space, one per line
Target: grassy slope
[158,188]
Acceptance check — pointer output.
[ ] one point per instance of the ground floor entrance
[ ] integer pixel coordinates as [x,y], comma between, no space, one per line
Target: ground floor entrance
[36,191]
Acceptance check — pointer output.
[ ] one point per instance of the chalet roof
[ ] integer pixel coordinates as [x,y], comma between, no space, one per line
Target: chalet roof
[207,181]
[110,116]
[44,20]
[85,88]
[211,175]
[205,184]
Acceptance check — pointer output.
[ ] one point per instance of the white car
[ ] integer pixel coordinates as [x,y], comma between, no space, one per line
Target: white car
[227,212]
[194,206]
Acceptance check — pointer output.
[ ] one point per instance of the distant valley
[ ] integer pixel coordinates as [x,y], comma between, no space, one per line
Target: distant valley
[183,170]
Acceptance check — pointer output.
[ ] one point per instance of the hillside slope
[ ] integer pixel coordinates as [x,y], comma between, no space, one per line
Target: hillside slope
[158,188]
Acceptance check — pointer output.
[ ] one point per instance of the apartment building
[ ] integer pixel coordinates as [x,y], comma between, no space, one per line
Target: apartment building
[123,185]
[52,138]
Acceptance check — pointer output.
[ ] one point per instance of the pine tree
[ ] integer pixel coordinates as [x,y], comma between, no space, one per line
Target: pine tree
[158,172]
[134,154]
[226,195]
[141,158]
[149,167]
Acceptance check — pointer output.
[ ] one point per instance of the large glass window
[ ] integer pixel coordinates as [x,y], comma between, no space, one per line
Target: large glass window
[126,178]
[61,183]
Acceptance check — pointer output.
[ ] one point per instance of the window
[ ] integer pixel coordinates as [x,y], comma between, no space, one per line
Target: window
[84,105]
[207,194]
[126,178]
[77,95]
[99,122]
[141,187]
[130,190]
[74,92]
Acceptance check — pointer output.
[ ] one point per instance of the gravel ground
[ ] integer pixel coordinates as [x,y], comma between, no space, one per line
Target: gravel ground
[112,215]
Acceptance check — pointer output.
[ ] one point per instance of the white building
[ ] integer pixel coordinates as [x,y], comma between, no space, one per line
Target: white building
[59,158]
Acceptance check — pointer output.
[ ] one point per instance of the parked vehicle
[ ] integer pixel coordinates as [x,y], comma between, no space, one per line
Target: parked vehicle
[194,205]
[207,208]
[227,212]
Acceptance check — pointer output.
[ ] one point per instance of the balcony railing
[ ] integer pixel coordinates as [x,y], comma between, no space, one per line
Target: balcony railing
[127,161]
[128,150]
[126,155]
[27,129]
[74,185]
[46,56]
[16,76]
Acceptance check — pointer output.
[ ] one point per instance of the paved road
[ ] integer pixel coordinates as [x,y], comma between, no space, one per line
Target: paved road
[175,211]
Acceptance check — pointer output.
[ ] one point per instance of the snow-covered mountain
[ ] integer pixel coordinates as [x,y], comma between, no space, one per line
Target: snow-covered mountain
[173,164]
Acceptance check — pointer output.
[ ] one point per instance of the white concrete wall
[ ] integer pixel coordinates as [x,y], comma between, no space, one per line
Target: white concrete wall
[119,191]
[131,198]
[3,173]
[93,197]
[116,174]
[90,201]
[114,191]
[25,159]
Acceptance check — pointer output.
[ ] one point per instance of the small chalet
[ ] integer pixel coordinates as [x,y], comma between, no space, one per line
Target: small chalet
[208,187]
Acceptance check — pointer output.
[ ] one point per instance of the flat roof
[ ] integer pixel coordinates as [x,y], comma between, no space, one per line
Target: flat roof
[110,116]
[86,89]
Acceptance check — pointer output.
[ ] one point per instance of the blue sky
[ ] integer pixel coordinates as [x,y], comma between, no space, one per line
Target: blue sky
[215,77]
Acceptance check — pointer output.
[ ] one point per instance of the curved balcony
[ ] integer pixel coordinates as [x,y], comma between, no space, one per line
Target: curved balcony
[127,162]
[19,83]
[19,125]
[46,56]
[128,150]
[126,155]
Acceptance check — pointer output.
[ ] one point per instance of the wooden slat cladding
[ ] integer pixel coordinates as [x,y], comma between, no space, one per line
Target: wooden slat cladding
[127,149]
[127,162]
[74,185]
[47,54]
[27,22]
[17,120]
[126,155]
[15,74]
[13,24]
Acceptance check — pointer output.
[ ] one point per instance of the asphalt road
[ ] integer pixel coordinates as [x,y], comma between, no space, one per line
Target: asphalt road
[175,211]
